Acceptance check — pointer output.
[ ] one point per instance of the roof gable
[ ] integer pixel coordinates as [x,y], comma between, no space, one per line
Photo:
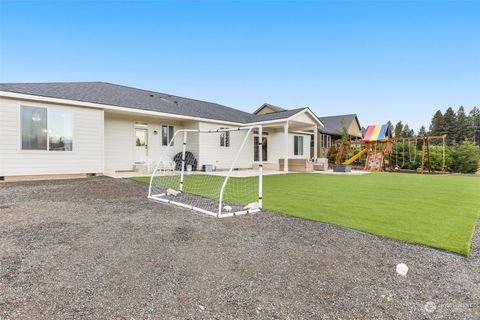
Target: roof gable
[268,108]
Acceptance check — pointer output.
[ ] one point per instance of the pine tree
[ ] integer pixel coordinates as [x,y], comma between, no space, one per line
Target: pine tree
[474,117]
[463,126]
[422,131]
[450,125]
[437,126]
[406,132]
[398,129]
[390,126]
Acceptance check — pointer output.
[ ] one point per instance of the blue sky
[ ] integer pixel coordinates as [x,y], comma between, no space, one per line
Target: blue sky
[382,60]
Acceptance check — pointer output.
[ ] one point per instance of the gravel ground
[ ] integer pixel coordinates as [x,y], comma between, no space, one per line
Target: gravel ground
[97,249]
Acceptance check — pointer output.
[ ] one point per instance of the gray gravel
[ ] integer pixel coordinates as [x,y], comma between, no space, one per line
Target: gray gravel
[96,248]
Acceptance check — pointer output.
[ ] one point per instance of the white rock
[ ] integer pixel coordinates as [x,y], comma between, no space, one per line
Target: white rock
[201,307]
[227,208]
[402,269]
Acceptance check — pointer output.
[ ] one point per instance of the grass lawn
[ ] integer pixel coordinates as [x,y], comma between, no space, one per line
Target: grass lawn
[437,211]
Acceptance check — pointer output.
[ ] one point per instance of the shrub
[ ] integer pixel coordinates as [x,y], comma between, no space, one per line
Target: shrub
[466,157]
[436,158]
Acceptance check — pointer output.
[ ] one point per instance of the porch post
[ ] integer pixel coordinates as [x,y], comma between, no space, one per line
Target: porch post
[285,162]
[315,144]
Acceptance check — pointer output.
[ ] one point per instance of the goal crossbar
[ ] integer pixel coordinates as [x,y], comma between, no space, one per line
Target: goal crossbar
[162,197]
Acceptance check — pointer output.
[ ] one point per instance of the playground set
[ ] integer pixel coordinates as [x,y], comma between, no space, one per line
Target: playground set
[379,143]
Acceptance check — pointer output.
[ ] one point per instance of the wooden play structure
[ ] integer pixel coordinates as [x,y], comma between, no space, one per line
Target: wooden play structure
[378,145]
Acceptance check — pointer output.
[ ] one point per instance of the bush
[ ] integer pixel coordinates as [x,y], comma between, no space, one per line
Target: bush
[409,158]
[436,158]
[466,157]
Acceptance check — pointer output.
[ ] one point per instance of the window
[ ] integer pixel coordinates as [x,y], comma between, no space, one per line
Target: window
[264,148]
[60,130]
[225,138]
[167,134]
[325,141]
[46,129]
[34,128]
[298,145]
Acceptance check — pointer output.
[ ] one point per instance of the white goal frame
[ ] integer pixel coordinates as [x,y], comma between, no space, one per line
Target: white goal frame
[219,213]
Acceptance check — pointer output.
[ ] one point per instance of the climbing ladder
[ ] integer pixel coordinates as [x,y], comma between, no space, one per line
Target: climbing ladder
[374,161]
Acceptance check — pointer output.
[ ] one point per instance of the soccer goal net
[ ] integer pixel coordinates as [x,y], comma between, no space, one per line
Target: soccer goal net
[211,171]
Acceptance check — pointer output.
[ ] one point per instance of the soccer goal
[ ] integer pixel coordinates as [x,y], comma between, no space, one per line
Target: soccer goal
[214,181]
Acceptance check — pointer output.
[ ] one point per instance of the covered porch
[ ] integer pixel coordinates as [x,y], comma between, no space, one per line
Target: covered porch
[287,143]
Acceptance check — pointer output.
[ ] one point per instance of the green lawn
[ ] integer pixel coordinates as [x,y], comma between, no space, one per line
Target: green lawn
[437,211]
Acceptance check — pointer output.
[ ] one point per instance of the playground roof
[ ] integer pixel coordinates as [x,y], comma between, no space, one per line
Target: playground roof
[378,132]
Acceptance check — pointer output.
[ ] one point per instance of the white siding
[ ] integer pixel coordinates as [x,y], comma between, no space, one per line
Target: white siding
[222,157]
[304,117]
[119,143]
[192,139]
[87,154]
[105,142]
[120,139]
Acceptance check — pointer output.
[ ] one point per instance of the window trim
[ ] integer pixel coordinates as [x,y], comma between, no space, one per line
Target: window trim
[47,150]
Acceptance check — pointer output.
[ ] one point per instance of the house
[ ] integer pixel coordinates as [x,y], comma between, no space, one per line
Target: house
[94,128]
[333,129]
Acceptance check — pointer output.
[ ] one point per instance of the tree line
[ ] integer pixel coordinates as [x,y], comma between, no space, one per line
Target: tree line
[458,126]
[462,149]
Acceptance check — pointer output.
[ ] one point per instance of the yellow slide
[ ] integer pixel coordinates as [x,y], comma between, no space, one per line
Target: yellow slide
[355,157]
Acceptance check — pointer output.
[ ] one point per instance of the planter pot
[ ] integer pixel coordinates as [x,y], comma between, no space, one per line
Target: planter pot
[342,168]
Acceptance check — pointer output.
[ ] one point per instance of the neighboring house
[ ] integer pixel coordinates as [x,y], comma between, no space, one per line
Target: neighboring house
[100,128]
[268,108]
[333,129]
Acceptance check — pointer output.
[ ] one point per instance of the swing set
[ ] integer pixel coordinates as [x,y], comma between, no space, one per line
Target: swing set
[379,143]
[426,165]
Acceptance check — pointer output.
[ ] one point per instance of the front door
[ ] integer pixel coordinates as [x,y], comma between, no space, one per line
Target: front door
[141,145]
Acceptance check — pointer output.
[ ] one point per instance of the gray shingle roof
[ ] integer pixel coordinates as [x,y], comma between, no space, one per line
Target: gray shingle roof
[277,115]
[128,97]
[334,124]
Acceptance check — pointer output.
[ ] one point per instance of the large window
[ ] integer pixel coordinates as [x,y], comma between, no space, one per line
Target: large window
[46,129]
[167,134]
[34,128]
[298,145]
[225,138]
[60,130]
